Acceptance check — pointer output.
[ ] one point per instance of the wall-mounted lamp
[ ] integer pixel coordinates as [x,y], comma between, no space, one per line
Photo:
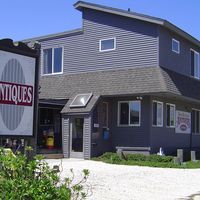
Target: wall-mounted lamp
[139,98]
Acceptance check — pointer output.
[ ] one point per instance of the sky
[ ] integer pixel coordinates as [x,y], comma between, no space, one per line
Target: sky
[22,19]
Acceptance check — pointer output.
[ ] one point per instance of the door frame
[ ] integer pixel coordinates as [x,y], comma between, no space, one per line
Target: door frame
[71,153]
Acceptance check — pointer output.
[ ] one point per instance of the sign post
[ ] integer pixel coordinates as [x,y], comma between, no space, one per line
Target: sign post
[19,66]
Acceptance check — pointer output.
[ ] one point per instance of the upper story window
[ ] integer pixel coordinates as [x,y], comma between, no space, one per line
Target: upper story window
[157,113]
[195,64]
[175,46]
[107,44]
[129,113]
[52,61]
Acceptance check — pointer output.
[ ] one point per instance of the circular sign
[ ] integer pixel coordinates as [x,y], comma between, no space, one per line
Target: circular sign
[12,114]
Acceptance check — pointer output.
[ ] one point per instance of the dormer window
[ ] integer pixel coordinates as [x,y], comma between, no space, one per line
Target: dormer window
[175,46]
[107,44]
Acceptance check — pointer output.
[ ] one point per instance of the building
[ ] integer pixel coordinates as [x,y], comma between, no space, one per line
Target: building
[123,80]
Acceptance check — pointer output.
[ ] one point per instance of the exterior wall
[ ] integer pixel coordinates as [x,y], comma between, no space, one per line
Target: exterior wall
[171,60]
[66,136]
[136,44]
[136,41]
[166,137]
[99,144]
[86,135]
[75,51]
[131,136]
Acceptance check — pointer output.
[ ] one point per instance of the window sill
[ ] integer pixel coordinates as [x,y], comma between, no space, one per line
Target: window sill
[170,126]
[53,74]
[157,126]
[196,134]
[195,78]
[121,126]
[107,50]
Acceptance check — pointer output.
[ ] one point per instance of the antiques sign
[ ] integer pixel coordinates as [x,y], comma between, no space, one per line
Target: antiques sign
[183,122]
[17,88]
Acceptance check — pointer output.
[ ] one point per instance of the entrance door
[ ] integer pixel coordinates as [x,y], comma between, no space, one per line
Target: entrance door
[77,138]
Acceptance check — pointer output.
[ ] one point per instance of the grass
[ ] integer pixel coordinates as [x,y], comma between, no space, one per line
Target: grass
[143,160]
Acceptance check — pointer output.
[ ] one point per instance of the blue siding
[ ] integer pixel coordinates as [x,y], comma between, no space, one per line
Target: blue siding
[132,136]
[171,60]
[166,137]
[137,44]
[136,41]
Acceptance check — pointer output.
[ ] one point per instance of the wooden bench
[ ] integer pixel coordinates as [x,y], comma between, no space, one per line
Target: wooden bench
[132,150]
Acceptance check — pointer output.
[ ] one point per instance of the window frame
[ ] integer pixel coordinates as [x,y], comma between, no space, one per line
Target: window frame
[42,63]
[173,105]
[195,52]
[196,110]
[114,48]
[118,117]
[107,106]
[155,101]
[177,41]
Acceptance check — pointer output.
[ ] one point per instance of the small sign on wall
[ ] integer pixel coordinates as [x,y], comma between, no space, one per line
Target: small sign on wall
[96,125]
[183,122]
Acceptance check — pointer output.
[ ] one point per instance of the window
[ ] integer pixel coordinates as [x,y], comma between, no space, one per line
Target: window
[170,110]
[195,121]
[52,60]
[129,113]
[105,114]
[195,64]
[81,100]
[157,113]
[107,44]
[175,46]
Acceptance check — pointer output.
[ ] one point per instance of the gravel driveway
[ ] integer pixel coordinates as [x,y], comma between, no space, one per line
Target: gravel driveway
[119,182]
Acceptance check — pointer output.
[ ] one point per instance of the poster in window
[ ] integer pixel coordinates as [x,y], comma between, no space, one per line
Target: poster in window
[183,122]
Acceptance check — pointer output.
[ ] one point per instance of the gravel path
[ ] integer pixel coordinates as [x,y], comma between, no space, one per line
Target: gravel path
[119,182]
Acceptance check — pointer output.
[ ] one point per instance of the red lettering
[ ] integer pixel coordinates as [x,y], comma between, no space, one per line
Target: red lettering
[16,94]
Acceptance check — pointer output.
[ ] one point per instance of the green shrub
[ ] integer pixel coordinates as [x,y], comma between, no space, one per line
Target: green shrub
[152,160]
[136,157]
[115,159]
[157,158]
[23,179]
[107,155]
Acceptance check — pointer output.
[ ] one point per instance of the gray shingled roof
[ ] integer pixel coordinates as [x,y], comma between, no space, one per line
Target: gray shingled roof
[181,85]
[104,83]
[147,80]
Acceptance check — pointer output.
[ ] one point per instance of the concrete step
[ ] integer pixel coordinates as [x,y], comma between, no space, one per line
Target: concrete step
[53,156]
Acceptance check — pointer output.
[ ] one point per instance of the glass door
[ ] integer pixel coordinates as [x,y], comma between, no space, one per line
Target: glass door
[77,138]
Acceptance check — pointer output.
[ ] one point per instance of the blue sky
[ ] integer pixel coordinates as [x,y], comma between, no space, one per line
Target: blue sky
[21,19]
